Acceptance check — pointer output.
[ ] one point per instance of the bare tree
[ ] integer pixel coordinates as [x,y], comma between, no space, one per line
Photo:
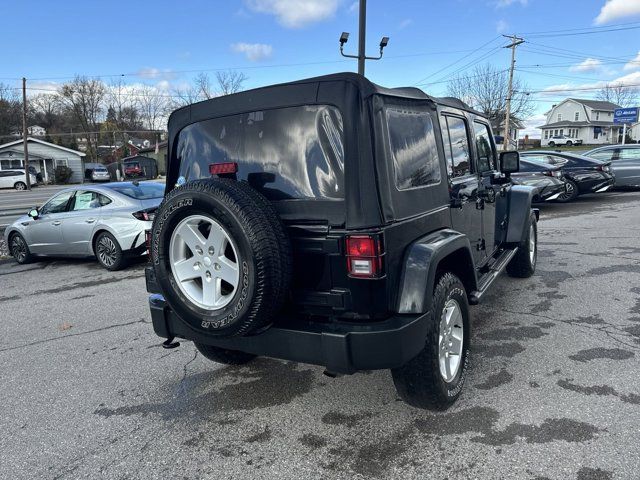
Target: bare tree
[202,87]
[84,98]
[619,94]
[486,89]
[230,81]
[10,108]
[152,106]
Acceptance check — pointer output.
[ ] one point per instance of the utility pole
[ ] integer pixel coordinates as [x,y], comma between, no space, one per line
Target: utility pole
[362,34]
[515,41]
[25,133]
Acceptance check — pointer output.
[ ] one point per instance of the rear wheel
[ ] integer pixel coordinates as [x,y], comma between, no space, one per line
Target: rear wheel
[435,377]
[20,186]
[19,249]
[109,253]
[552,144]
[222,355]
[570,193]
[569,143]
[523,264]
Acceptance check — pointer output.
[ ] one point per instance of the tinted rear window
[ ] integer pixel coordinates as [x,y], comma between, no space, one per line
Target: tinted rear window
[144,191]
[286,153]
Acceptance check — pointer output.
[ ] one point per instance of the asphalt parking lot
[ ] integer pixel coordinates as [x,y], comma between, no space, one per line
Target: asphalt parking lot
[553,391]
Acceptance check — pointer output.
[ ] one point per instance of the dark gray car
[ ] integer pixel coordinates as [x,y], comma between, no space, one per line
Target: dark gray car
[625,162]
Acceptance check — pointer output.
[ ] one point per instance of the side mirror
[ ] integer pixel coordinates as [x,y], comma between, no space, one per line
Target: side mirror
[33,213]
[509,162]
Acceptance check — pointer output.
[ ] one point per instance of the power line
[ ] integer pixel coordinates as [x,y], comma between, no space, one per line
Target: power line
[581,29]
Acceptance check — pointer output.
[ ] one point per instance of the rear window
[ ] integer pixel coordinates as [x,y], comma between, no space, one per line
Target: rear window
[413,148]
[143,191]
[285,153]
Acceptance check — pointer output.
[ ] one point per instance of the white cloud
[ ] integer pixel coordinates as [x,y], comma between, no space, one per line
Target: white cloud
[501,26]
[633,64]
[508,3]
[295,13]
[616,9]
[354,7]
[253,51]
[567,90]
[405,23]
[530,125]
[155,73]
[587,65]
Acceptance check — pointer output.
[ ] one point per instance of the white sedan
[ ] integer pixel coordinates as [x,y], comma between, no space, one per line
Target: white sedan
[15,179]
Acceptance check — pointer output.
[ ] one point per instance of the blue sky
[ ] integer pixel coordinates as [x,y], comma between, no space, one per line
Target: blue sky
[165,43]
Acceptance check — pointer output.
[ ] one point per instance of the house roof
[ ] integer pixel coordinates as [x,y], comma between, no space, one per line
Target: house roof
[152,148]
[42,142]
[582,123]
[597,104]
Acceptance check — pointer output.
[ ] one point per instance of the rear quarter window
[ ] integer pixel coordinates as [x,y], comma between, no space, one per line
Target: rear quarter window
[413,148]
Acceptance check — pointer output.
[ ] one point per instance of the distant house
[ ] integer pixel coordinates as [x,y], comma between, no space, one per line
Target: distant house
[33,131]
[159,154]
[514,130]
[44,157]
[139,143]
[588,120]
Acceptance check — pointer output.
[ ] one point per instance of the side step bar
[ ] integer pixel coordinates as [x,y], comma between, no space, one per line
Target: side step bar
[488,278]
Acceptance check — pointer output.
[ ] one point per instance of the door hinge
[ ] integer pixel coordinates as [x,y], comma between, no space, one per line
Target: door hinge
[480,245]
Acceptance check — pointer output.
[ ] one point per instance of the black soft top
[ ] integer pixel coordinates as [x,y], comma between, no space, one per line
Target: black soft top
[366,87]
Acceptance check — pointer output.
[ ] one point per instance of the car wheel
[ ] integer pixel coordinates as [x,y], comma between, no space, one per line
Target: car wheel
[19,249]
[20,186]
[435,377]
[523,264]
[570,193]
[552,144]
[569,143]
[108,252]
[222,355]
[221,256]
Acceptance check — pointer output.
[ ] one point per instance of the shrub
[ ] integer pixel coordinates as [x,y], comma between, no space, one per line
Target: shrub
[63,174]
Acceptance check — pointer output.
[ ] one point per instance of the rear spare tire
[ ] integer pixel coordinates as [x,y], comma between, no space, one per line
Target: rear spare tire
[221,256]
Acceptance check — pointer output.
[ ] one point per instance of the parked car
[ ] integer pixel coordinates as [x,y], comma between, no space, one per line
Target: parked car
[581,174]
[132,170]
[547,180]
[360,251]
[16,179]
[108,221]
[38,175]
[564,140]
[100,174]
[625,162]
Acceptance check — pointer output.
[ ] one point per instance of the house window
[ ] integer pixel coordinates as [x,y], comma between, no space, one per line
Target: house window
[546,134]
[576,117]
[561,132]
[609,114]
[559,117]
[597,115]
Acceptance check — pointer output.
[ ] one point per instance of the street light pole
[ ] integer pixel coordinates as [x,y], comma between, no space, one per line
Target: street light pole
[362,34]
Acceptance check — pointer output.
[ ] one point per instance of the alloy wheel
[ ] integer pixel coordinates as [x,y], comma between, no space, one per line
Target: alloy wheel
[450,340]
[107,251]
[18,248]
[204,262]
[568,193]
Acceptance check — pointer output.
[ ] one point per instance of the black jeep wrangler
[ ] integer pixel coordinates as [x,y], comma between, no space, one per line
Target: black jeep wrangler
[336,222]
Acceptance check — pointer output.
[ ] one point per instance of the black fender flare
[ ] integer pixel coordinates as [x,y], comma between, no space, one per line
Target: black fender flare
[520,197]
[421,263]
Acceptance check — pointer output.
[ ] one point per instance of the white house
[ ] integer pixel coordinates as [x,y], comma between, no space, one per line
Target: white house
[514,131]
[588,120]
[44,156]
[33,130]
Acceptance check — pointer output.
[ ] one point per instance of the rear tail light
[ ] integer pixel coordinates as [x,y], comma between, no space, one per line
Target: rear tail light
[364,256]
[553,173]
[145,215]
[227,168]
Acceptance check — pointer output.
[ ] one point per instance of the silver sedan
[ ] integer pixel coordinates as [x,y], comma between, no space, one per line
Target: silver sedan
[108,221]
[625,162]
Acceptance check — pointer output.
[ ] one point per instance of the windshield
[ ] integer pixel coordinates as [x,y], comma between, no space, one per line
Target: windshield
[142,191]
[285,153]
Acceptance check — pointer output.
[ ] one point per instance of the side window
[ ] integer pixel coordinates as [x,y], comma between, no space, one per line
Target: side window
[85,201]
[104,200]
[484,148]
[456,146]
[57,204]
[630,154]
[413,148]
[603,155]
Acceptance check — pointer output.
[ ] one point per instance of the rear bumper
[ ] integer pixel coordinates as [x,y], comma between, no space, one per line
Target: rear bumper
[604,185]
[340,347]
